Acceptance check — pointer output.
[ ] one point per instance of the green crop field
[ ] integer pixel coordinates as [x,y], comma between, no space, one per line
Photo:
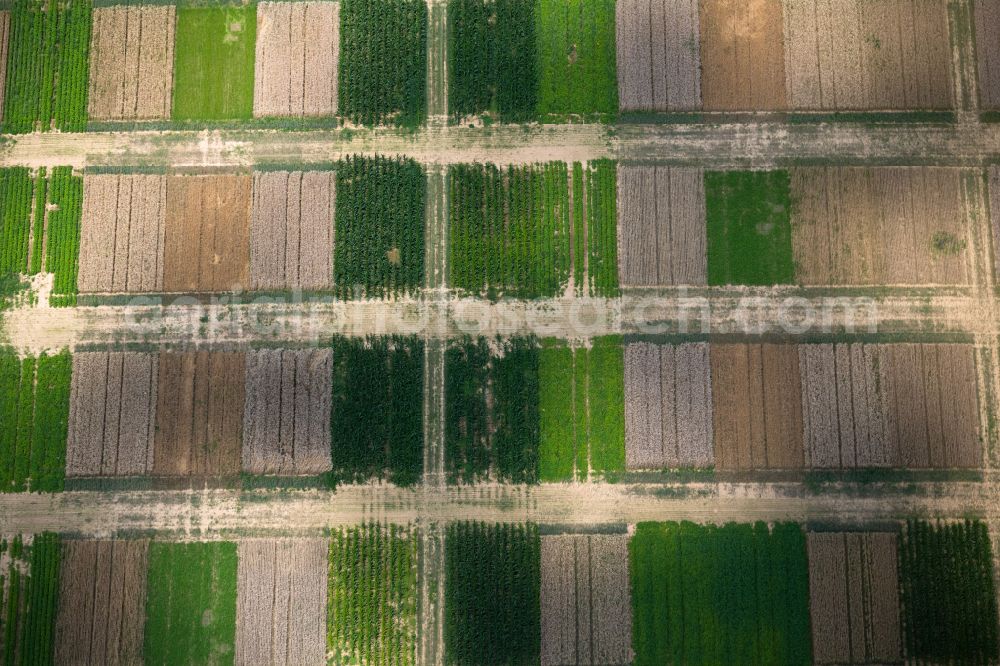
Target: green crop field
[214,62]
[377,410]
[372,599]
[379,227]
[191,603]
[949,604]
[582,410]
[749,228]
[16,191]
[31,583]
[383,61]
[595,228]
[737,594]
[62,252]
[492,583]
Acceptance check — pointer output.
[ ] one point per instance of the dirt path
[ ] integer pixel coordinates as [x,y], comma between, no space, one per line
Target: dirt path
[437,63]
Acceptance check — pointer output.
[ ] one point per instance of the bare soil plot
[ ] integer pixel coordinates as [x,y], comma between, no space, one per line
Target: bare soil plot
[4,41]
[131,62]
[757,411]
[854,597]
[668,406]
[102,602]
[291,230]
[298,49]
[111,414]
[659,57]
[994,176]
[878,226]
[281,602]
[742,55]
[207,244]
[855,54]
[661,226]
[987,18]
[122,233]
[286,426]
[199,413]
[585,600]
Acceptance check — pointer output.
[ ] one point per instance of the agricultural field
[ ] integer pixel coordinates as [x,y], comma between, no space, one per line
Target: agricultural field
[492,594]
[131,62]
[29,573]
[371,612]
[4,44]
[987,20]
[47,54]
[16,210]
[383,62]
[525,232]
[581,414]
[376,416]
[214,62]
[297,55]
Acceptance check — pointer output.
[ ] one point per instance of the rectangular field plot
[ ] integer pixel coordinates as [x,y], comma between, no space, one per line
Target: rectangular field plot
[737,594]
[102,602]
[112,414]
[878,226]
[281,602]
[291,229]
[191,603]
[661,226]
[586,610]
[371,614]
[29,568]
[206,239]
[4,45]
[987,20]
[131,62]
[298,49]
[214,62]
[854,597]
[668,406]
[17,194]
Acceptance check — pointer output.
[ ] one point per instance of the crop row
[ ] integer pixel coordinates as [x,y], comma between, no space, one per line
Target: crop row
[31,586]
[15,214]
[63,239]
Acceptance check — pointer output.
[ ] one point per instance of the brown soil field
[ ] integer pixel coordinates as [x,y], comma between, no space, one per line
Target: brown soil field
[291,230]
[281,602]
[206,244]
[854,598]
[122,233]
[659,58]
[757,413]
[661,226]
[878,226]
[102,602]
[131,62]
[742,55]
[298,50]
[987,18]
[585,600]
[199,414]
[668,406]
[994,177]
[111,414]
[286,424]
[4,39]
[853,54]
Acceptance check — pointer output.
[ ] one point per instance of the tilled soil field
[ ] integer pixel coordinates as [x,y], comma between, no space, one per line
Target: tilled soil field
[994,178]
[987,18]
[661,226]
[131,62]
[122,233]
[298,49]
[112,410]
[291,230]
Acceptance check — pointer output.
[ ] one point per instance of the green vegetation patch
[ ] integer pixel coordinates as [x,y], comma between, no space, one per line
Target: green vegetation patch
[376,419]
[379,227]
[383,61]
[491,417]
[949,604]
[749,228]
[737,594]
[492,586]
[595,228]
[191,603]
[62,249]
[34,408]
[491,59]
[31,583]
[372,599]
[577,70]
[16,192]
[48,66]
[214,62]
[582,412]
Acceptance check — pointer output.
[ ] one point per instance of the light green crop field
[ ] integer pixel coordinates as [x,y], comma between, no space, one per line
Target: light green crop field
[213,63]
